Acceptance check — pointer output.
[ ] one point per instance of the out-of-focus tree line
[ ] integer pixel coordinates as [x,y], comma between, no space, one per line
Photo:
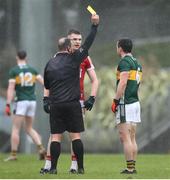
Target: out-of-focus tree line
[122,18]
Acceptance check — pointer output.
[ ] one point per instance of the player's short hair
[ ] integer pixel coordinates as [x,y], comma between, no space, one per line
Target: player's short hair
[63,43]
[126,44]
[22,54]
[73,31]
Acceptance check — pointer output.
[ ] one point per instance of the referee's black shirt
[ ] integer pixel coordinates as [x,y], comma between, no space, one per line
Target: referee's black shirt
[61,74]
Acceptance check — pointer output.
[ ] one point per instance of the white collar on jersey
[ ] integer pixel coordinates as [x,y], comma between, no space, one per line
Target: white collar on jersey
[127,54]
[21,65]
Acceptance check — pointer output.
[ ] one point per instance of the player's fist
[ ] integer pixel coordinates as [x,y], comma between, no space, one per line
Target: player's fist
[46,104]
[8,110]
[88,104]
[115,105]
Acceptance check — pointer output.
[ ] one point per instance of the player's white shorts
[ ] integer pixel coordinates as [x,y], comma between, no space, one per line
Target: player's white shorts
[25,108]
[132,113]
[83,109]
[82,103]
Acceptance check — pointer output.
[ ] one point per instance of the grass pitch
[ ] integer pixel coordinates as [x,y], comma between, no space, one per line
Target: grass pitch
[97,166]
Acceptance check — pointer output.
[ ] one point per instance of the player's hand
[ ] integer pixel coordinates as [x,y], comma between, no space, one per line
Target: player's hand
[88,104]
[115,105]
[8,110]
[46,104]
[95,19]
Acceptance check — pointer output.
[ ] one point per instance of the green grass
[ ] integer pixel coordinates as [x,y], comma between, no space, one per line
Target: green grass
[97,166]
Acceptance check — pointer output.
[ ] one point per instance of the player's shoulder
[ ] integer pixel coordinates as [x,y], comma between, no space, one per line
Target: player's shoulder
[88,61]
[14,69]
[31,67]
[126,60]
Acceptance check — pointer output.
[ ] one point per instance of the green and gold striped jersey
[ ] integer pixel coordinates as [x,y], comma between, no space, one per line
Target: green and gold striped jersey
[25,78]
[130,64]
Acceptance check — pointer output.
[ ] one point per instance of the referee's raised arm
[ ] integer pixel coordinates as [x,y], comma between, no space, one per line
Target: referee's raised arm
[82,52]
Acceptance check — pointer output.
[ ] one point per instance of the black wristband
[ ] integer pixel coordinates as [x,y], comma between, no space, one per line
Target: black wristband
[93,97]
[45,98]
[116,101]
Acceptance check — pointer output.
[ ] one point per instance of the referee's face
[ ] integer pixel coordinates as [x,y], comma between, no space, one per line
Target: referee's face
[76,40]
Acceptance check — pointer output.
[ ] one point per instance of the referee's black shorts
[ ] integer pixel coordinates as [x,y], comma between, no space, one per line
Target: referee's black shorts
[66,116]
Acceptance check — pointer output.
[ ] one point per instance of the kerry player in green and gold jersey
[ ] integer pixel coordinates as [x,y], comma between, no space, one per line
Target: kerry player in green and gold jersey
[22,79]
[126,102]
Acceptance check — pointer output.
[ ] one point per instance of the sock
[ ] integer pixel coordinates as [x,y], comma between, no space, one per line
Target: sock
[14,153]
[130,165]
[48,157]
[78,151]
[47,162]
[73,158]
[55,153]
[134,163]
[73,162]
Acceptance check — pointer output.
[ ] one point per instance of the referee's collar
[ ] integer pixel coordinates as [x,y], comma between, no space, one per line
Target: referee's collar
[61,52]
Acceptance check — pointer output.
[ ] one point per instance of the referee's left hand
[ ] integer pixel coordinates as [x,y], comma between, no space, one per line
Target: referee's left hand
[88,104]
[46,104]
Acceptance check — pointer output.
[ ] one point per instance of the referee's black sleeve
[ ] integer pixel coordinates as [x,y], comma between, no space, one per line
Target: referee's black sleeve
[46,81]
[90,38]
[82,52]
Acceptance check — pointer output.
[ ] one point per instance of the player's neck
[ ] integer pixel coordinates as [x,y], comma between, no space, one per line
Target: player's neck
[126,54]
[21,62]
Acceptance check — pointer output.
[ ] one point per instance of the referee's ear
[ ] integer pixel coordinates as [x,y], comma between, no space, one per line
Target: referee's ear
[63,44]
[69,49]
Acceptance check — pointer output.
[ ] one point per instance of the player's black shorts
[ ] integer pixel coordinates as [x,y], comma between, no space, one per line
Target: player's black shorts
[66,116]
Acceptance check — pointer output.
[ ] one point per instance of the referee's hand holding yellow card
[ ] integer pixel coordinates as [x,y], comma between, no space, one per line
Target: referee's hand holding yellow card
[95,17]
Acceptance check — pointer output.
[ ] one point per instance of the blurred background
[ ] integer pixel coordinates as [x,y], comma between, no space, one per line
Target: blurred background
[35,26]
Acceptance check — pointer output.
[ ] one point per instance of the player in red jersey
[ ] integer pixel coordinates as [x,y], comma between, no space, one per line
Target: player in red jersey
[85,67]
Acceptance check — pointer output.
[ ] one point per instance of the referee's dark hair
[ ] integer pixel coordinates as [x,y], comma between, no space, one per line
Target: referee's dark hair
[63,44]
[21,54]
[126,44]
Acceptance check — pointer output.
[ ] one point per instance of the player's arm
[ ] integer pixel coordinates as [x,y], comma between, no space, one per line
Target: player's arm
[120,89]
[88,104]
[10,91]
[10,96]
[122,84]
[40,79]
[94,82]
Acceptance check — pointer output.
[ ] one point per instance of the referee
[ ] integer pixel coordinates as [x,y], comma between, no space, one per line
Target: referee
[62,94]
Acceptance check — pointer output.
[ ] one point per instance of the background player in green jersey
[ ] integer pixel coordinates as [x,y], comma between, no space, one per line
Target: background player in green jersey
[22,79]
[126,103]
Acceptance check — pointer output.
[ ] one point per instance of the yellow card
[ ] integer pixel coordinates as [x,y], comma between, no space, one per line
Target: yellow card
[91,10]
